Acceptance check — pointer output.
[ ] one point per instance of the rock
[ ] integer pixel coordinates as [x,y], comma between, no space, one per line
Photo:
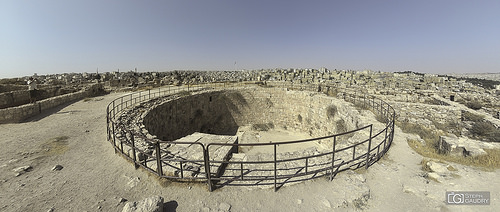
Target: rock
[361,201]
[462,146]
[408,189]
[224,206]
[21,170]
[299,201]
[434,176]
[436,167]
[151,204]
[448,145]
[121,200]
[475,152]
[13,161]
[326,203]
[51,209]
[133,182]
[57,168]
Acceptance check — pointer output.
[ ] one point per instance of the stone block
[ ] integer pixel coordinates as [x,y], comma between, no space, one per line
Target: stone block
[448,145]
[462,146]
[436,167]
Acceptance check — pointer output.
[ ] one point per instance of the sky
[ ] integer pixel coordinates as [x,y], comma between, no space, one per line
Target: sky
[427,36]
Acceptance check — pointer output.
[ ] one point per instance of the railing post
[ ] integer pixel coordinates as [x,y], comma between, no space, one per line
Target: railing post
[369,147]
[149,94]
[107,123]
[275,169]
[386,129]
[182,169]
[241,168]
[333,156]
[114,137]
[392,129]
[307,163]
[114,109]
[207,168]
[381,106]
[353,152]
[121,143]
[133,150]
[158,159]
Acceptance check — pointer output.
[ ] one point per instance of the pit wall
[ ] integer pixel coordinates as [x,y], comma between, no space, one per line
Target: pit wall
[20,113]
[221,112]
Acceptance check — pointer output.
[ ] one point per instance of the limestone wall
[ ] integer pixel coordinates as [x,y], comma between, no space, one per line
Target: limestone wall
[20,113]
[11,87]
[22,96]
[14,98]
[222,112]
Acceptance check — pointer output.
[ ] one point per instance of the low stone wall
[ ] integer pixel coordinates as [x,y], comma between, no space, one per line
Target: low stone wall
[10,87]
[22,96]
[14,98]
[20,113]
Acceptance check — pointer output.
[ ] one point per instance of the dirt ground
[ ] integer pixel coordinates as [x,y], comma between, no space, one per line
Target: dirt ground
[94,178]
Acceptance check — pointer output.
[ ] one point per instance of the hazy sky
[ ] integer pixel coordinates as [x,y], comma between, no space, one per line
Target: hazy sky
[432,36]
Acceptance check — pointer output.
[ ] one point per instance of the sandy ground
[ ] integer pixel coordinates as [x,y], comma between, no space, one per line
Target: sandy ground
[94,178]
[274,135]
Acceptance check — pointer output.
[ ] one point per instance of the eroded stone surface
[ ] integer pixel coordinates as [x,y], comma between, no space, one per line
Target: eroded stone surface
[461,146]
[151,204]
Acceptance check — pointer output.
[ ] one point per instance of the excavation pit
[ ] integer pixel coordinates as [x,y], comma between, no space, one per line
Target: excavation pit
[251,135]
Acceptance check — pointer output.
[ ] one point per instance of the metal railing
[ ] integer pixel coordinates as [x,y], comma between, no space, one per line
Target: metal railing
[274,169]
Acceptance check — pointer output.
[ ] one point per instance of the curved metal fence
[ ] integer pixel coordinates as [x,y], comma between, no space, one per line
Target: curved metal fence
[275,169]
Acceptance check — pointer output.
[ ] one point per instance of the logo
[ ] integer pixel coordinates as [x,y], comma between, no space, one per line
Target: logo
[467,197]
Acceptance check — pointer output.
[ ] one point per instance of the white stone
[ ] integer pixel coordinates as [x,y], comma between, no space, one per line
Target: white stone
[21,170]
[57,168]
[434,176]
[408,189]
[133,182]
[151,204]
[224,206]
[436,167]
[326,203]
